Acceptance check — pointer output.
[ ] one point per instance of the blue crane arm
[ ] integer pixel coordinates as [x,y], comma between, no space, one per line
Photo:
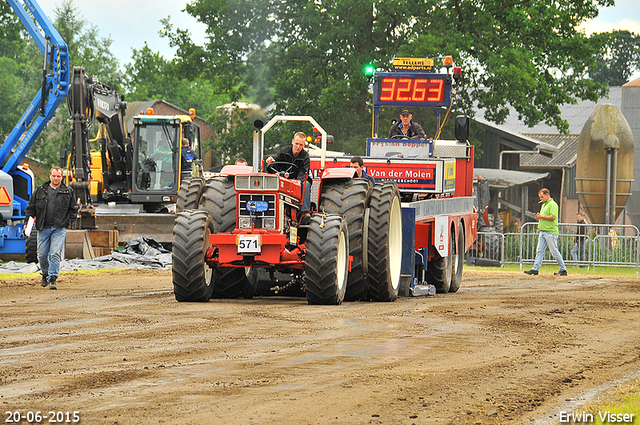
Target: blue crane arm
[55,84]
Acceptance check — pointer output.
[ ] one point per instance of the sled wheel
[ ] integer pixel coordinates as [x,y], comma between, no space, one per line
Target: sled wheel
[457,262]
[439,271]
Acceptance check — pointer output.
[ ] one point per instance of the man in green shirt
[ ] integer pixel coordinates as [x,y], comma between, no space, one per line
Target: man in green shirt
[548,226]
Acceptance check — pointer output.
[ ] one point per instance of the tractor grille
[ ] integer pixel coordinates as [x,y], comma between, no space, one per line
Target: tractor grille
[263,220]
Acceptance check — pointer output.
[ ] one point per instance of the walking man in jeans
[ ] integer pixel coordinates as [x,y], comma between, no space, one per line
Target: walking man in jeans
[548,227]
[54,207]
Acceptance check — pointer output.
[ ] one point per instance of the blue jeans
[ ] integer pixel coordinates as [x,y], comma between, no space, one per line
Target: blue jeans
[578,248]
[306,197]
[550,240]
[50,244]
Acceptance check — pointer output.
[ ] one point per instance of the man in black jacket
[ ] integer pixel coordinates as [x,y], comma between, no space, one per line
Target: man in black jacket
[406,129]
[53,205]
[295,154]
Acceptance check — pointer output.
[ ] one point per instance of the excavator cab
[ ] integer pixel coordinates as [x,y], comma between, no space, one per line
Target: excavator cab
[157,157]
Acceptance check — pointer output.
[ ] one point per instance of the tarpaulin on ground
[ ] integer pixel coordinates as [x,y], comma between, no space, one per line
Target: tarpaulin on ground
[139,253]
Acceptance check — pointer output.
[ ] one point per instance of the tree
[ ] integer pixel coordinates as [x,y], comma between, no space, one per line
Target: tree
[11,41]
[234,134]
[527,54]
[150,76]
[11,88]
[19,81]
[86,49]
[620,58]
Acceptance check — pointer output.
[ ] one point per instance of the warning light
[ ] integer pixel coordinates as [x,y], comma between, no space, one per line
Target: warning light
[448,61]
[457,73]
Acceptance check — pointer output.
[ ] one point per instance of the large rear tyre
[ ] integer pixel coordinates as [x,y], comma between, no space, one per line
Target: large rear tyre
[457,262]
[385,242]
[189,194]
[439,271]
[31,248]
[219,199]
[327,260]
[350,199]
[191,274]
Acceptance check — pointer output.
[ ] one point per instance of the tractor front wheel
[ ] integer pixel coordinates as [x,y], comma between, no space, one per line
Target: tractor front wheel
[191,275]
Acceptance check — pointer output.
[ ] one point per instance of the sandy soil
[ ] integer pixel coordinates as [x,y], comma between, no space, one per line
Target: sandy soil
[118,348]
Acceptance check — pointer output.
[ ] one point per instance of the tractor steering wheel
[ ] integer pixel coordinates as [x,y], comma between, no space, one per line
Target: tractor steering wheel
[399,136]
[283,168]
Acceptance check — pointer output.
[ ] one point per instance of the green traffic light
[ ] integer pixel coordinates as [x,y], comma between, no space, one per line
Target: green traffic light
[369,69]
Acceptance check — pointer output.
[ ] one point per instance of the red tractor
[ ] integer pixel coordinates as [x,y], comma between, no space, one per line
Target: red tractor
[348,248]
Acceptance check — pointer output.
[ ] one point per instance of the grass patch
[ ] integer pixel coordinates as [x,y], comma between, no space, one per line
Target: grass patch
[629,272]
[622,400]
[14,276]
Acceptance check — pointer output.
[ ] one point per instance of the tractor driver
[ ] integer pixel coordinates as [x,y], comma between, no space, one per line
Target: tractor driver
[295,154]
[407,128]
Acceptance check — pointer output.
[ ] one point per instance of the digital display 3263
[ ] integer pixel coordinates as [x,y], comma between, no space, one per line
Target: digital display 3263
[411,90]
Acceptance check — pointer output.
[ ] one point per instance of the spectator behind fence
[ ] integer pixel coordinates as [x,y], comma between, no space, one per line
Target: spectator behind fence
[577,252]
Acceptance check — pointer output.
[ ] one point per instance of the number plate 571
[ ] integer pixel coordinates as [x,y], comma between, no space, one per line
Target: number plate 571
[249,243]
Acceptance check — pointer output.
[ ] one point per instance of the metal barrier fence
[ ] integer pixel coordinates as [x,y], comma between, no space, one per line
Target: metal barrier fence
[603,245]
[489,249]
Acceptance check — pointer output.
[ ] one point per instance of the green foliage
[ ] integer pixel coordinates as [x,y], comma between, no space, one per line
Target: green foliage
[308,57]
[11,41]
[19,83]
[11,94]
[150,76]
[234,135]
[620,57]
[86,47]
[529,54]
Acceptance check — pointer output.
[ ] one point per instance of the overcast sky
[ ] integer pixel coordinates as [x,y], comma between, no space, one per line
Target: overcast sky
[131,23]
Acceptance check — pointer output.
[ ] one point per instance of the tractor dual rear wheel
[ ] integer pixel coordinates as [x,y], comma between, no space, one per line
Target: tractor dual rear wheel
[350,199]
[384,251]
[326,260]
[189,194]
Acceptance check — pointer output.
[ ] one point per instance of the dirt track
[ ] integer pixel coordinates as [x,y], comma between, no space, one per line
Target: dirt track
[507,348]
